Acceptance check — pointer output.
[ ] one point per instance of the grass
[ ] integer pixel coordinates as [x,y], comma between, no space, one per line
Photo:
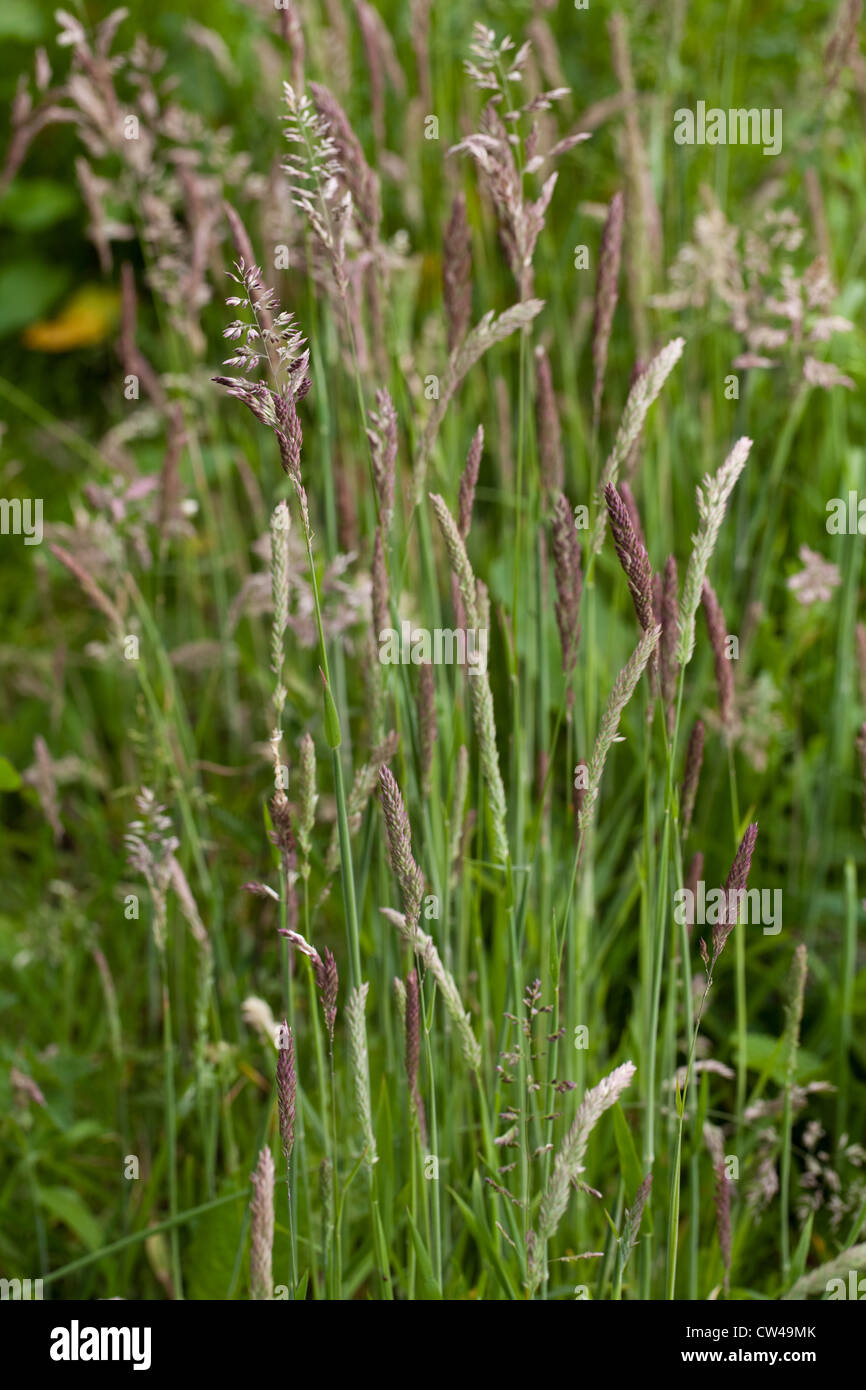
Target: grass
[139,1072]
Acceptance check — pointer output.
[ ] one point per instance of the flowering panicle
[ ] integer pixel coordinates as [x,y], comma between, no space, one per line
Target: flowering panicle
[712,498]
[307,798]
[644,390]
[520,219]
[150,847]
[347,164]
[132,358]
[466,499]
[694,874]
[413,1047]
[282,347]
[382,437]
[325,971]
[642,217]
[794,1010]
[293,35]
[815,582]
[351,203]
[382,62]
[262,1228]
[568,579]
[550,460]
[632,556]
[479,684]
[497,68]
[361,1069]
[314,171]
[568,1163]
[489,330]
[457,273]
[623,689]
[166,182]
[425,949]
[91,589]
[379,589]
[670,630]
[428,731]
[722,1195]
[750,271]
[280,522]
[492,64]
[265,336]
[287,1086]
[44,781]
[468,481]
[631,1222]
[606,291]
[630,503]
[723,667]
[405,870]
[694,758]
[363,786]
[735,886]
[458,804]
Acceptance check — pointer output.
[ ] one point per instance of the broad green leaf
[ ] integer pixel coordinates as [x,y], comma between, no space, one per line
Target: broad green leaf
[432,1289]
[69,1208]
[29,289]
[9,778]
[29,205]
[766,1053]
[629,1162]
[485,1243]
[22,20]
[798,1264]
[211,1251]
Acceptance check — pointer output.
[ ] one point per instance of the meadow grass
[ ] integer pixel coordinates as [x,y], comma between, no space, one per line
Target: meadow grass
[400,937]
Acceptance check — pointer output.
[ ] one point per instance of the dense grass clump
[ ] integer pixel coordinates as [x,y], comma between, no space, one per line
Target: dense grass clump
[433,728]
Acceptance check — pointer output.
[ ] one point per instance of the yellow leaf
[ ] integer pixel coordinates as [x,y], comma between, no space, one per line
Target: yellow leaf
[89,317]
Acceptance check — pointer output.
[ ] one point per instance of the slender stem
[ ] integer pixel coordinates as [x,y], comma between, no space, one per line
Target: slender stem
[170,1128]
[674,1214]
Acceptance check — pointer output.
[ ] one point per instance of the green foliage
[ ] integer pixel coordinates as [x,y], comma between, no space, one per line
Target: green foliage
[114,1047]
